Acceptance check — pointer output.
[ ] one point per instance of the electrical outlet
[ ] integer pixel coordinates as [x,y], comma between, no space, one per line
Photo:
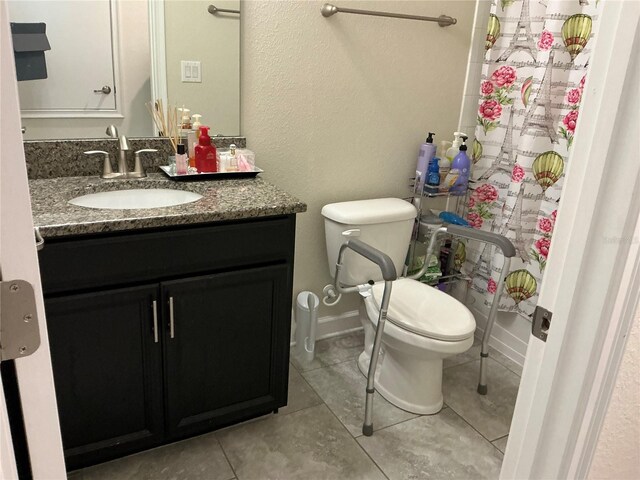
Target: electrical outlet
[191,71]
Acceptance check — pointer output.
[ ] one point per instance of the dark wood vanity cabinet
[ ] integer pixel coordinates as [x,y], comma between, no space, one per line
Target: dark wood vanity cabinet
[159,335]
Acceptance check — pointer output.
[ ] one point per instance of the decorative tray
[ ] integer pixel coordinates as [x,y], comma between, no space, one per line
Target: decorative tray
[208,176]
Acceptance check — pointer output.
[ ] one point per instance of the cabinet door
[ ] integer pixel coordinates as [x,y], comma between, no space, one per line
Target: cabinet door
[226,347]
[108,372]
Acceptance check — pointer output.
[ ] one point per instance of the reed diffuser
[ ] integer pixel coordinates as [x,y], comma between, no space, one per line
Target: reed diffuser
[167,122]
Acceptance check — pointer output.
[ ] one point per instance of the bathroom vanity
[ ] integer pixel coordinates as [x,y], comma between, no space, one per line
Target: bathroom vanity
[165,323]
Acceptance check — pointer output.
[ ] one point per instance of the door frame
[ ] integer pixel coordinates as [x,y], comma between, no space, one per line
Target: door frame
[19,260]
[118,111]
[593,273]
[534,435]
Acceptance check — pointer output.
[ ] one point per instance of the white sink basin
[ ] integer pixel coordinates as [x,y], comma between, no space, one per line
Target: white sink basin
[136,198]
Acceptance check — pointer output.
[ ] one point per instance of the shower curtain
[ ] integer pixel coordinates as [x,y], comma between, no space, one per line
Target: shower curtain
[532,84]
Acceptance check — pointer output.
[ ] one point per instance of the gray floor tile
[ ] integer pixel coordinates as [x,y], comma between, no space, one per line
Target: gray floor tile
[301,395]
[438,446]
[501,444]
[342,387]
[332,350]
[474,354]
[308,444]
[197,458]
[489,414]
[506,361]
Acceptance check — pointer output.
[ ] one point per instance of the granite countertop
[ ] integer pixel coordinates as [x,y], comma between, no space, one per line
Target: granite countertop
[222,200]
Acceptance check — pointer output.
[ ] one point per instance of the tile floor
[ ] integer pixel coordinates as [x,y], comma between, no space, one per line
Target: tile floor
[318,434]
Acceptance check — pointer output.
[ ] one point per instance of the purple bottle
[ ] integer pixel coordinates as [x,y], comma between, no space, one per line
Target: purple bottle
[461,165]
[427,152]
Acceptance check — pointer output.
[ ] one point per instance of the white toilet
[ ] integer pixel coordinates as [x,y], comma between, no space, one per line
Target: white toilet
[424,325]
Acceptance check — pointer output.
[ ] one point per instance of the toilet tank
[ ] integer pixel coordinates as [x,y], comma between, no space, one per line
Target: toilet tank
[384,223]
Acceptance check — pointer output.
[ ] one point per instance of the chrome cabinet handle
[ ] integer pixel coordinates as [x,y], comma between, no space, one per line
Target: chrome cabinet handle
[106,90]
[155,322]
[171,322]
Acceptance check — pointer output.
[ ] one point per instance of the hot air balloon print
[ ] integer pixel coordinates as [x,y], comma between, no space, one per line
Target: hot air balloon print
[460,256]
[576,31]
[525,91]
[476,151]
[547,169]
[493,31]
[520,285]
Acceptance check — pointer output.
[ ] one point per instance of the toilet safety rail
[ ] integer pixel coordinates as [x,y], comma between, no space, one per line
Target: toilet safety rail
[389,274]
[508,251]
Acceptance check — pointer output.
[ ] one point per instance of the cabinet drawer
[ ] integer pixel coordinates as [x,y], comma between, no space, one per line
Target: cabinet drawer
[128,257]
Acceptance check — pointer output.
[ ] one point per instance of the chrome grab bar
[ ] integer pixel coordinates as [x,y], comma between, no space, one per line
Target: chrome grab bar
[328,10]
[389,274]
[508,251]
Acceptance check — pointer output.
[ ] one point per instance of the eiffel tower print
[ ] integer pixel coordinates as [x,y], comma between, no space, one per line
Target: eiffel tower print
[544,122]
[521,40]
[506,159]
[514,224]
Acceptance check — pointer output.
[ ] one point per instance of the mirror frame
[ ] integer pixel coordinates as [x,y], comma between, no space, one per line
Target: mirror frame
[157,48]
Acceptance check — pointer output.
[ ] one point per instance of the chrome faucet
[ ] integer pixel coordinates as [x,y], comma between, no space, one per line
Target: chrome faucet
[112,131]
[107,172]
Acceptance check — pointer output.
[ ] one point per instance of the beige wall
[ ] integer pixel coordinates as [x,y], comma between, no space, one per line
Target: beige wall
[617,455]
[336,108]
[135,66]
[217,46]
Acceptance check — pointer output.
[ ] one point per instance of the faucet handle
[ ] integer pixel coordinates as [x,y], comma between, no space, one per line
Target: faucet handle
[137,168]
[106,168]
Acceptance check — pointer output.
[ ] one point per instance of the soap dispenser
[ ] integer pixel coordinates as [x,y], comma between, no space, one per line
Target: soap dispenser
[192,138]
[462,166]
[455,145]
[205,153]
[427,152]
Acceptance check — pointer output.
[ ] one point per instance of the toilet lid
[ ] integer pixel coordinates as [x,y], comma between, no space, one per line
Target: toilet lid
[426,311]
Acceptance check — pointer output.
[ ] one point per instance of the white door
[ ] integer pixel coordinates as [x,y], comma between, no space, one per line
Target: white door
[18,260]
[592,273]
[80,61]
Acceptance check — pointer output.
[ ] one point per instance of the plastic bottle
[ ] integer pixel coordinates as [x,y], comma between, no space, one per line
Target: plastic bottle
[445,163]
[232,160]
[205,153]
[182,161]
[455,145]
[433,176]
[192,138]
[462,164]
[427,152]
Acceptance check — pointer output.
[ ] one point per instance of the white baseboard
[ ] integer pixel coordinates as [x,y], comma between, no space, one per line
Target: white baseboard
[501,339]
[333,325]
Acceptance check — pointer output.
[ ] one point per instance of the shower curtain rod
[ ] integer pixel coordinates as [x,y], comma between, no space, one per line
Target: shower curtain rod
[443,20]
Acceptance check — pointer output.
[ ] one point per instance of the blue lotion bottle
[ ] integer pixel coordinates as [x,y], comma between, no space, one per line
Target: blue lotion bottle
[427,152]
[461,165]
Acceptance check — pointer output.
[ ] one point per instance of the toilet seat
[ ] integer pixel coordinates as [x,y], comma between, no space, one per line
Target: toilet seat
[425,311]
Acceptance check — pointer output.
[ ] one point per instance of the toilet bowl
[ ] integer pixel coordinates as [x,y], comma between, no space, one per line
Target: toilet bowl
[424,326]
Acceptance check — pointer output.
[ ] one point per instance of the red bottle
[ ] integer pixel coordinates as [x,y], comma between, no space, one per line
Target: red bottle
[205,153]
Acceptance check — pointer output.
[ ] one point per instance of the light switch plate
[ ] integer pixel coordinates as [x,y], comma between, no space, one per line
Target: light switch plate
[191,71]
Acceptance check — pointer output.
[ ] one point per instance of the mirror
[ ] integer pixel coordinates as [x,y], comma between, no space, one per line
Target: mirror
[108,58]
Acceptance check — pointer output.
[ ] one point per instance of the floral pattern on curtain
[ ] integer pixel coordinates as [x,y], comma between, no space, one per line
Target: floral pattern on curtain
[533,75]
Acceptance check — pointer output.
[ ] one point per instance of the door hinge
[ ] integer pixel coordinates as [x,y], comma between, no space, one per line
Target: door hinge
[19,331]
[541,323]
